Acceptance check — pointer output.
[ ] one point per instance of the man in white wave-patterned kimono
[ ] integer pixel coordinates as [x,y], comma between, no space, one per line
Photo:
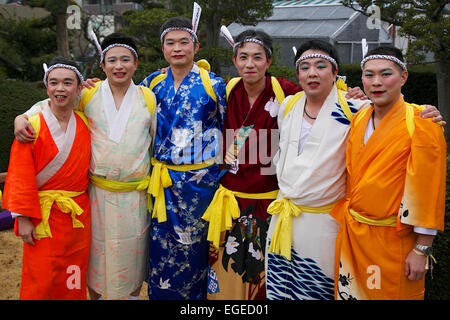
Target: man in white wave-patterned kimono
[311,177]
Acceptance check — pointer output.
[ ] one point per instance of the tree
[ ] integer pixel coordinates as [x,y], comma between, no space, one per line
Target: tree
[24,45]
[58,10]
[218,12]
[428,23]
[145,25]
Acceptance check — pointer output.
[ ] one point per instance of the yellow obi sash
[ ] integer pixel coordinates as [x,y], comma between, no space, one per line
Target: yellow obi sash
[282,236]
[119,186]
[390,221]
[65,203]
[224,208]
[160,179]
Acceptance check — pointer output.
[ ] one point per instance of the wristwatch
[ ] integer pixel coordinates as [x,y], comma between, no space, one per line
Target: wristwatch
[426,250]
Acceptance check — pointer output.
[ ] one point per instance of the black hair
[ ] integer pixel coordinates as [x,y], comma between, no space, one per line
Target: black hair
[388,51]
[120,38]
[321,45]
[63,60]
[176,22]
[259,35]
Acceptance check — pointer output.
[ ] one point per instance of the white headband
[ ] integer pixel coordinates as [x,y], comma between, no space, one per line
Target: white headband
[238,44]
[192,33]
[61,65]
[196,12]
[316,55]
[103,53]
[227,35]
[386,57]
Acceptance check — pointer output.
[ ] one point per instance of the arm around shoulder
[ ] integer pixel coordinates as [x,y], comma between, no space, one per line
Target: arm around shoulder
[23,130]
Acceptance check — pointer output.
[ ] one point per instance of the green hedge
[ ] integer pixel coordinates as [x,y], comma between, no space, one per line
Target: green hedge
[438,287]
[16,97]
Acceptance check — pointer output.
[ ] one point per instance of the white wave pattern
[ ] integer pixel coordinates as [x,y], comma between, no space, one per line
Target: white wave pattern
[298,279]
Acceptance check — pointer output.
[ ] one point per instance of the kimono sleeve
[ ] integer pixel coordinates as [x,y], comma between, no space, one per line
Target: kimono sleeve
[36,108]
[281,111]
[280,118]
[424,195]
[149,78]
[289,87]
[219,88]
[21,193]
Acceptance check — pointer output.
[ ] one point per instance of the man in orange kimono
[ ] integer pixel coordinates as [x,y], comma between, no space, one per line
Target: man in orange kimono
[395,200]
[46,190]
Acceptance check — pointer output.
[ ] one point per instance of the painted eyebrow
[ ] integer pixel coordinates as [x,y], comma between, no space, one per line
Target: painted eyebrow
[65,79]
[318,61]
[122,56]
[382,70]
[172,39]
[259,53]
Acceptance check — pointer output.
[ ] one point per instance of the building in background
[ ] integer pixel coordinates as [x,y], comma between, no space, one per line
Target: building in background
[21,12]
[293,22]
[108,10]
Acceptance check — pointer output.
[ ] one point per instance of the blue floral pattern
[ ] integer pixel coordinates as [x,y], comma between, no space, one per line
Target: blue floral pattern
[189,122]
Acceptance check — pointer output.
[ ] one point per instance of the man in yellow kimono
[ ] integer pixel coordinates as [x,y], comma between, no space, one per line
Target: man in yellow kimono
[395,199]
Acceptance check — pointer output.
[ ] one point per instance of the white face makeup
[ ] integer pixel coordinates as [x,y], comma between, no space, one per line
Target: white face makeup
[119,65]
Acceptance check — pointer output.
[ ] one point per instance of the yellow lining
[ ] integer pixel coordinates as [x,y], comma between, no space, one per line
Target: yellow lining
[276,87]
[291,102]
[35,122]
[206,80]
[156,80]
[204,67]
[231,84]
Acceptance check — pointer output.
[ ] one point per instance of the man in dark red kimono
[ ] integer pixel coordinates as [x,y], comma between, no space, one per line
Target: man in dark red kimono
[250,140]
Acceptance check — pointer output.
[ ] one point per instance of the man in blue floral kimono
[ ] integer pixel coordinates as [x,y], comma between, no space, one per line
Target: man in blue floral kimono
[191,109]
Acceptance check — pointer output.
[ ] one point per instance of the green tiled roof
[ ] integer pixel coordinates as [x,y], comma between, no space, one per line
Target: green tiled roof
[284,3]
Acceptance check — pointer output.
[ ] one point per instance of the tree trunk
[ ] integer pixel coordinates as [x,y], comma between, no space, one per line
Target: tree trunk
[442,69]
[61,35]
[212,30]
[212,39]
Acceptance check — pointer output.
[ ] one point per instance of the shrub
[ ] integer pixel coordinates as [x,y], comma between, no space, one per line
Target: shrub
[438,287]
[17,97]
